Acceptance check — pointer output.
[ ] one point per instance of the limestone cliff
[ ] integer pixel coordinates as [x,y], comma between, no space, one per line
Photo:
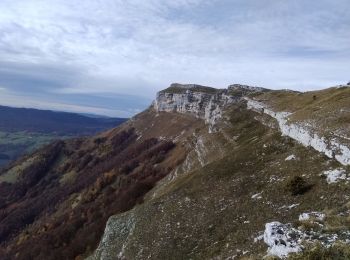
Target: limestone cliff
[202,102]
[209,103]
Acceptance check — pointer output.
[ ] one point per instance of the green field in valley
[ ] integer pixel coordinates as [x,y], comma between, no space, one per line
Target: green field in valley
[15,144]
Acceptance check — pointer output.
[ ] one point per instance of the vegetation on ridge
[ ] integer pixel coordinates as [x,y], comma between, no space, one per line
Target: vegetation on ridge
[174,89]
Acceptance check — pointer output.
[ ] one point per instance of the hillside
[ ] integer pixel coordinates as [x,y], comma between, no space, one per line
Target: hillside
[24,130]
[201,174]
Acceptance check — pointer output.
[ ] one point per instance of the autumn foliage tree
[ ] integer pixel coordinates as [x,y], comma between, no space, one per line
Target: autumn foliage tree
[42,217]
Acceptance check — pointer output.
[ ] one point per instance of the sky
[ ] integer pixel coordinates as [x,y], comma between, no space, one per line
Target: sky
[110,57]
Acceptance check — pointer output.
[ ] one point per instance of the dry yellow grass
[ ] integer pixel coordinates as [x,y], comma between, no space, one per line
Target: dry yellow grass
[327,110]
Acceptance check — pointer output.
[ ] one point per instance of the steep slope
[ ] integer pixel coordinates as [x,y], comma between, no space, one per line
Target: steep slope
[60,197]
[239,204]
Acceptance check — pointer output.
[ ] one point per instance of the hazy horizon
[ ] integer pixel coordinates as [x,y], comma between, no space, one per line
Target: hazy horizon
[110,57]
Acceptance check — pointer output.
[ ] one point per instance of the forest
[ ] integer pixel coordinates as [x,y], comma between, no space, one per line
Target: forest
[44,215]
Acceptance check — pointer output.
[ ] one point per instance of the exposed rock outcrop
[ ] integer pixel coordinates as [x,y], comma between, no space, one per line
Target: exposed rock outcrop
[332,147]
[119,228]
[282,239]
[202,102]
[246,88]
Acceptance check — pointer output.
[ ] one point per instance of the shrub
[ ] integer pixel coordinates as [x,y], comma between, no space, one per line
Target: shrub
[100,140]
[297,185]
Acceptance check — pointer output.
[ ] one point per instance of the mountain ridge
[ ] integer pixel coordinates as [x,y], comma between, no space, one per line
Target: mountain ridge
[282,248]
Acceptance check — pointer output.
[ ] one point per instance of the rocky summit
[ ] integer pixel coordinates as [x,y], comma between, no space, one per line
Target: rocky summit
[202,102]
[203,173]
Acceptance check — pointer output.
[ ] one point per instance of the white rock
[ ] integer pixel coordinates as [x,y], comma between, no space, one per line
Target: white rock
[282,239]
[291,157]
[334,176]
[201,105]
[312,215]
[293,206]
[257,196]
[258,238]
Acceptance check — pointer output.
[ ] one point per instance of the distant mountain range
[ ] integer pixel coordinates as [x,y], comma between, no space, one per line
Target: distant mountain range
[23,130]
[46,121]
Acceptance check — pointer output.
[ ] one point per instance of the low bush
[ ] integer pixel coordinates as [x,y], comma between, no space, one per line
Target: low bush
[297,185]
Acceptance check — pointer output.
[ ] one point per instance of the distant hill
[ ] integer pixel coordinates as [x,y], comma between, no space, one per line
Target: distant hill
[59,123]
[24,130]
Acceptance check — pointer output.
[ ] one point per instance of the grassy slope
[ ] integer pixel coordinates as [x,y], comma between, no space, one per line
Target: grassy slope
[210,213]
[329,109]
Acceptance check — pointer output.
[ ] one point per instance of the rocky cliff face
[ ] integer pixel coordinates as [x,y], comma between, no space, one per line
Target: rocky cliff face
[200,101]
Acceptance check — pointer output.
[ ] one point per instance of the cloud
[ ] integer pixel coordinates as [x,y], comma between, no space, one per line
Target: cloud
[114,106]
[71,48]
[56,106]
[29,77]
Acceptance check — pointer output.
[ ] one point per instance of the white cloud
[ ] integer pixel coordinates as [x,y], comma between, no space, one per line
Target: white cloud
[23,101]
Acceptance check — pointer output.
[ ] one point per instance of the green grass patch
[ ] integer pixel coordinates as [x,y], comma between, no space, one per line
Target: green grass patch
[16,144]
